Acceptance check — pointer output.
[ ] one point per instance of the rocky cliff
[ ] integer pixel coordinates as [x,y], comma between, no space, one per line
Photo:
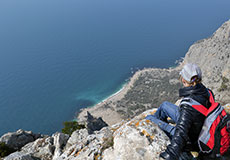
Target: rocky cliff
[213,56]
[133,137]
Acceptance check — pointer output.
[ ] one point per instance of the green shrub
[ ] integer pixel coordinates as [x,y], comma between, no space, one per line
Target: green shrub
[225,80]
[108,142]
[71,126]
[5,150]
[223,86]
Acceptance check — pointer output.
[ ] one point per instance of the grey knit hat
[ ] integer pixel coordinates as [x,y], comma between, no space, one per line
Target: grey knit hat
[190,70]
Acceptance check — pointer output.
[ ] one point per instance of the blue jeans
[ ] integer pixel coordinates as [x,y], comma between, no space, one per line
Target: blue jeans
[166,110]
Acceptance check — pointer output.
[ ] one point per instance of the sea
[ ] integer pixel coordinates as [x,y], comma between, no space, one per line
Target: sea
[58,56]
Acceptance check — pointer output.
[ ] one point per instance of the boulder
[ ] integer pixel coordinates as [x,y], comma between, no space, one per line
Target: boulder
[138,139]
[94,124]
[83,146]
[42,148]
[60,140]
[17,140]
[77,137]
[19,156]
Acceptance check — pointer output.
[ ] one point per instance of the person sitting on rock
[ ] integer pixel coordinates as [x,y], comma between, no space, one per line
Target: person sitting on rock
[188,121]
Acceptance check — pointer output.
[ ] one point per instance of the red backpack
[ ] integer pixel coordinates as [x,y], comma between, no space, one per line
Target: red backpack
[214,138]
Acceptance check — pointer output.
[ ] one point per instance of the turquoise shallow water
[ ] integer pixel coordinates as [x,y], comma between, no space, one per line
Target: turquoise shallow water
[59,56]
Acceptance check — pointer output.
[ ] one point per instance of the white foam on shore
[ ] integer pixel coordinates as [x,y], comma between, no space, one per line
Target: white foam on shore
[124,85]
[104,100]
[114,94]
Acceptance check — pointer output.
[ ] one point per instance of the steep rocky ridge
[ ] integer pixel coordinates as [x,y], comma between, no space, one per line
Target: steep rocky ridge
[213,56]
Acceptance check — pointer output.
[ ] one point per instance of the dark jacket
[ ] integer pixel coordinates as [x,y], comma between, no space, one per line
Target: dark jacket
[190,123]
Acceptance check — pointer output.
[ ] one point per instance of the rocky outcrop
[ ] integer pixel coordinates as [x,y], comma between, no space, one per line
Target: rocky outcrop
[136,138]
[20,156]
[77,137]
[60,141]
[94,124]
[42,148]
[84,146]
[45,148]
[17,140]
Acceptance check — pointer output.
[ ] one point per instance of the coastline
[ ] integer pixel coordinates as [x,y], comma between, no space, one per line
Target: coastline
[108,110]
[109,114]
[110,96]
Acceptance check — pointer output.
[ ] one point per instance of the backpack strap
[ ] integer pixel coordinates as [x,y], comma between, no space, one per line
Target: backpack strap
[199,107]
[214,104]
[196,105]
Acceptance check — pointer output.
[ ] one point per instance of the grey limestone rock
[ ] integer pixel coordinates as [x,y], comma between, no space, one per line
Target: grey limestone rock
[60,140]
[77,137]
[17,140]
[137,139]
[19,156]
[42,148]
[81,145]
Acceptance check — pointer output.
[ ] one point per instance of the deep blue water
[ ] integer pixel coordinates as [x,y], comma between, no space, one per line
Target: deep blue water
[57,56]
